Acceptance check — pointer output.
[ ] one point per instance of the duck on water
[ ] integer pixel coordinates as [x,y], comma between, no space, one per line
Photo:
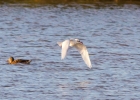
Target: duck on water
[11,60]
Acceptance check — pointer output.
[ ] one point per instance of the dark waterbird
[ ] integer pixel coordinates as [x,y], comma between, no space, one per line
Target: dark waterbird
[23,61]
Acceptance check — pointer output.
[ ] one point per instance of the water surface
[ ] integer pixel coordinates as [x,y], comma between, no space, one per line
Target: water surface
[112,36]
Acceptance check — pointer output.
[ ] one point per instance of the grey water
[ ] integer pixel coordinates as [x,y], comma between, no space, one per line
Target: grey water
[112,37]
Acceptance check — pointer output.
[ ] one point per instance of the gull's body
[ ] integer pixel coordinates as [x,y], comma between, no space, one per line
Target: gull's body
[79,46]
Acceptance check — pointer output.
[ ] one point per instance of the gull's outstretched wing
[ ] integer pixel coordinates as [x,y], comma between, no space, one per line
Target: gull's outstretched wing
[84,53]
[65,46]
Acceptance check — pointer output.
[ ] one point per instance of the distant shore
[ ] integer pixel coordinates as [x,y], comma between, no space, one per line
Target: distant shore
[69,1]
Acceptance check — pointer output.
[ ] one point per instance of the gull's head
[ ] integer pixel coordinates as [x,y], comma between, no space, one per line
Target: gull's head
[78,41]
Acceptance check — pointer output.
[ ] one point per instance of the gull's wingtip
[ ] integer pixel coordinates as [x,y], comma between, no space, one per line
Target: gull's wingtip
[90,66]
[59,43]
[62,58]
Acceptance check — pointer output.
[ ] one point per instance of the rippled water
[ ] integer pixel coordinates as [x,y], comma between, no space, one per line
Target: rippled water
[112,36]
